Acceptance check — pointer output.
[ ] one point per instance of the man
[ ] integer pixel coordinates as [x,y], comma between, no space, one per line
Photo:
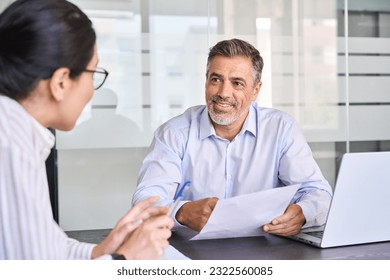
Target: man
[232,147]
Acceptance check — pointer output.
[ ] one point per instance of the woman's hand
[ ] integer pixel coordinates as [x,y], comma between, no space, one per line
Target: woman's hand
[149,240]
[136,216]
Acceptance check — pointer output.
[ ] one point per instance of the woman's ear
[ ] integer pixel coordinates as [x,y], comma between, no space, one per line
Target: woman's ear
[59,83]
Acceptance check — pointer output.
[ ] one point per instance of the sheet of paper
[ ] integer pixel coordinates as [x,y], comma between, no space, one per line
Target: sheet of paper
[244,215]
[171,253]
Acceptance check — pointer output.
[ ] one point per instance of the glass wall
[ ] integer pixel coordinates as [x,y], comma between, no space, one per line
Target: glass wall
[326,63]
[364,72]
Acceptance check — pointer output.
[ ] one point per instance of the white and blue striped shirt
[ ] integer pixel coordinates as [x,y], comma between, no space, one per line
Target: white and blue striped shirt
[27,227]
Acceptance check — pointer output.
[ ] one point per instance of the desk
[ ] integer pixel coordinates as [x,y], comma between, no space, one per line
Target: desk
[270,247]
[267,247]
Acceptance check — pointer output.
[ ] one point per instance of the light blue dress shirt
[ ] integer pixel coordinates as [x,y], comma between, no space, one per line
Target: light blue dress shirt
[269,152]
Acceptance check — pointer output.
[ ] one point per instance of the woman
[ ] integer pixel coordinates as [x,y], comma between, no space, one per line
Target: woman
[48,61]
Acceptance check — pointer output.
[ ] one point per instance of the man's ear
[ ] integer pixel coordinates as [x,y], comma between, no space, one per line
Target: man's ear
[256,90]
[59,83]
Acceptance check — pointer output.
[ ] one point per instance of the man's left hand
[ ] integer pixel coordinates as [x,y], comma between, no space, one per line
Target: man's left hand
[290,223]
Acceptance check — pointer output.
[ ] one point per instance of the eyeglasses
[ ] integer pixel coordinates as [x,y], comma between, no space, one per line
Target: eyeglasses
[99,77]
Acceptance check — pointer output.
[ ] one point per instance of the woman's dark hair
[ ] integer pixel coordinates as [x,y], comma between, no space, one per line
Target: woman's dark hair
[237,47]
[36,38]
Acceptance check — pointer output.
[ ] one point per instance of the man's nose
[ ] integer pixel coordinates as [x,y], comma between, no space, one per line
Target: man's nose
[226,90]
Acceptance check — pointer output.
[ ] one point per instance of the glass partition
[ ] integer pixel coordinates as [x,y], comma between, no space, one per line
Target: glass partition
[326,63]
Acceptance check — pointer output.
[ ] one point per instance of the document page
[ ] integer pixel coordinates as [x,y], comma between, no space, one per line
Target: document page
[171,253]
[244,215]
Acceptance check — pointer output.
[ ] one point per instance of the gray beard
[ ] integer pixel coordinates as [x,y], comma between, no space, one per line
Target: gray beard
[220,119]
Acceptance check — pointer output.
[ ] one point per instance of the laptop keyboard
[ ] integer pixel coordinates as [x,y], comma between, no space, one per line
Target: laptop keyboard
[318,234]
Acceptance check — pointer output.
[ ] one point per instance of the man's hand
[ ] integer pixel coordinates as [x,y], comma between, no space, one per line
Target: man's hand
[290,223]
[195,214]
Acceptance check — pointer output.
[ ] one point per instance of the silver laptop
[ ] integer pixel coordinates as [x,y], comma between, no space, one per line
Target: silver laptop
[360,208]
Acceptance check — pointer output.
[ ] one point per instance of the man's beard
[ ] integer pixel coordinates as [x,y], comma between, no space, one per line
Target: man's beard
[221,117]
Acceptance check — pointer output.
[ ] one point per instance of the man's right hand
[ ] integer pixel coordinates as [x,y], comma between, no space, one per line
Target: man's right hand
[195,214]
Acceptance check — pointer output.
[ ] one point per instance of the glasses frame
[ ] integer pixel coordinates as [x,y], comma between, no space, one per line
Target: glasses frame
[99,70]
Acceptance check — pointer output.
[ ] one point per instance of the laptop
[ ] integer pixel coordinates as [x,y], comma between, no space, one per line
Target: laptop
[360,208]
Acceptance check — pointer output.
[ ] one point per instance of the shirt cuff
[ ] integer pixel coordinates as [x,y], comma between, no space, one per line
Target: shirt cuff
[104,258]
[174,211]
[313,217]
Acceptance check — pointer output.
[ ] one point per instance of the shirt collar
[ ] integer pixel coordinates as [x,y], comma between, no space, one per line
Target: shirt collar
[207,128]
[250,124]
[45,139]
[41,138]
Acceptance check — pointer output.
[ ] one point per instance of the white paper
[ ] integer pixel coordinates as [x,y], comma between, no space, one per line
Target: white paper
[171,253]
[244,215]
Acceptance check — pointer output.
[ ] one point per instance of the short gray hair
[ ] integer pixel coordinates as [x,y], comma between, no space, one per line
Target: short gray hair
[237,47]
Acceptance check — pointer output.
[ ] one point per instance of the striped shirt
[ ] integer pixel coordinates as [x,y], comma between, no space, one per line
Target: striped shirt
[27,227]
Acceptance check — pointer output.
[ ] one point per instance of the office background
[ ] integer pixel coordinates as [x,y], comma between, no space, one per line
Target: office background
[327,63]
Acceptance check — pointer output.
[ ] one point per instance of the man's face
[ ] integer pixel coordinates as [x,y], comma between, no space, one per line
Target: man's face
[230,89]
